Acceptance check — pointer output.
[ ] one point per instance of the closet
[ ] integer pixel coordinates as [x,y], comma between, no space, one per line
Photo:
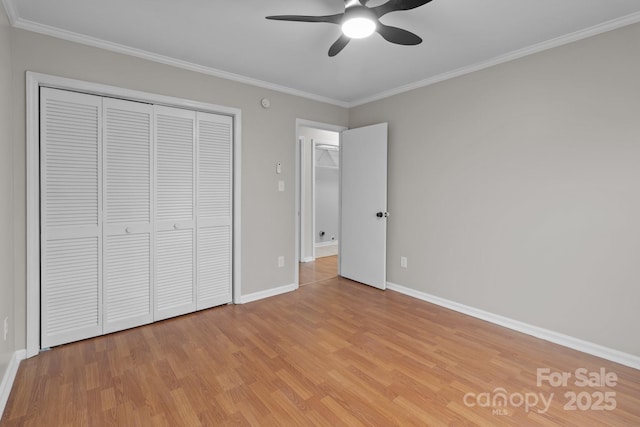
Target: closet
[136,213]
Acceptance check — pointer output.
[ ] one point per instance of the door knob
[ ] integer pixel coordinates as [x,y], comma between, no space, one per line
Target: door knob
[382,214]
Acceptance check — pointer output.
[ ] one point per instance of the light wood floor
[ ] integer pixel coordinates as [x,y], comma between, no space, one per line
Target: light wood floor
[318,270]
[334,353]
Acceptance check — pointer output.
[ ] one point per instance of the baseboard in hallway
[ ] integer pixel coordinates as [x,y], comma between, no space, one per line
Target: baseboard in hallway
[325,250]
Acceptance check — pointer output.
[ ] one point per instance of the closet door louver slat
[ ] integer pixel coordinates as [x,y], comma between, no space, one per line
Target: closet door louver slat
[71,237]
[214,266]
[175,274]
[175,154]
[71,288]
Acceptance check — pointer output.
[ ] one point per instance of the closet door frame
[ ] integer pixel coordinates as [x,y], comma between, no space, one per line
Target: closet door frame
[34,81]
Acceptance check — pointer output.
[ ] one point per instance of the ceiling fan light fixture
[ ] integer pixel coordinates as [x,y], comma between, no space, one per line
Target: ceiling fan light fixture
[358,27]
[360,20]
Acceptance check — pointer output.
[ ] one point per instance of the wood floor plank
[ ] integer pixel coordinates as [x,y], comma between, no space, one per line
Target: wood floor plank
[316,271]
[333,353]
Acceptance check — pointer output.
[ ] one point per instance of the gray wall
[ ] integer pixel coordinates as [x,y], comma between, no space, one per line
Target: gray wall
[327,202]
[268,138]
[6,195]
[516,189]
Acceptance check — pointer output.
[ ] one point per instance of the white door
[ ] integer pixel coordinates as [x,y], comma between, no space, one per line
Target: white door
[175,280]
[215,210]
[136,213]
[363,230]
[128,203]
[70,216]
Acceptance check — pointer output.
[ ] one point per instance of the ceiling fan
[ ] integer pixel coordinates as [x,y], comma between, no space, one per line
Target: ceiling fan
[359,21]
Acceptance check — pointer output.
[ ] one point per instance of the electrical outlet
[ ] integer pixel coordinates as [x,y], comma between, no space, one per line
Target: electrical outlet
[281,261]
[403,261]
[6,328]
[280,185]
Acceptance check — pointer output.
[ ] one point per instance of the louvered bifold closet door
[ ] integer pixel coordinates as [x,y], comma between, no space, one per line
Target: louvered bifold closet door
[70,218]
[128,185]
[175,279]
[214,221]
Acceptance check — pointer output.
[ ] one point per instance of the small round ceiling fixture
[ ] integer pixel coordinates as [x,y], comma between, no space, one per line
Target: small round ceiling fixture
[358,28]
[359,22]
[265,103]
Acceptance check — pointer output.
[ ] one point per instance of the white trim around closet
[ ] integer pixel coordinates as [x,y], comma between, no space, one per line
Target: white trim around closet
[34,82]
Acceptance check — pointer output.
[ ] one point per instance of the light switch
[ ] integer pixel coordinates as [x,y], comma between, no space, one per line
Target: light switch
[279,168]
[280,185]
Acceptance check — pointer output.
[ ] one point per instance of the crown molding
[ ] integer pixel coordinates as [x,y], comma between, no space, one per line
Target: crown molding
[71,36]
[604,27]
[17,22]
[11,12]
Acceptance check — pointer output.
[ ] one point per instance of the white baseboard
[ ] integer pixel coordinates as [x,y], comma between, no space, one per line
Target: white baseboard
[308,259]
[9,376]
[329,243]
[244,299]
[555,337]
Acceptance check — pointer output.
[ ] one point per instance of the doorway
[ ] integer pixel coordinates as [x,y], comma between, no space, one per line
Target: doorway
[362,212]
[324,213]
[318,204]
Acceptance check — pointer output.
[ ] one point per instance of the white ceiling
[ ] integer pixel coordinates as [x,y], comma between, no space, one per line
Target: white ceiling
[231,38]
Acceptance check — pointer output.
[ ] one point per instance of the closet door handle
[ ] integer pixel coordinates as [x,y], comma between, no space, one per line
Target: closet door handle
[128,230]
[176,226]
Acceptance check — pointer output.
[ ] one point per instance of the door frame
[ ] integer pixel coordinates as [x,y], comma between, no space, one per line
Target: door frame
[300,189]
[33,83]
[310,216]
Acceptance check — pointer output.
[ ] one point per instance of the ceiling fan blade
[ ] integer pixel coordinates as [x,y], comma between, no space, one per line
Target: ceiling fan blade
[333,19]
[394,5]
[340,44]
[398,35]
